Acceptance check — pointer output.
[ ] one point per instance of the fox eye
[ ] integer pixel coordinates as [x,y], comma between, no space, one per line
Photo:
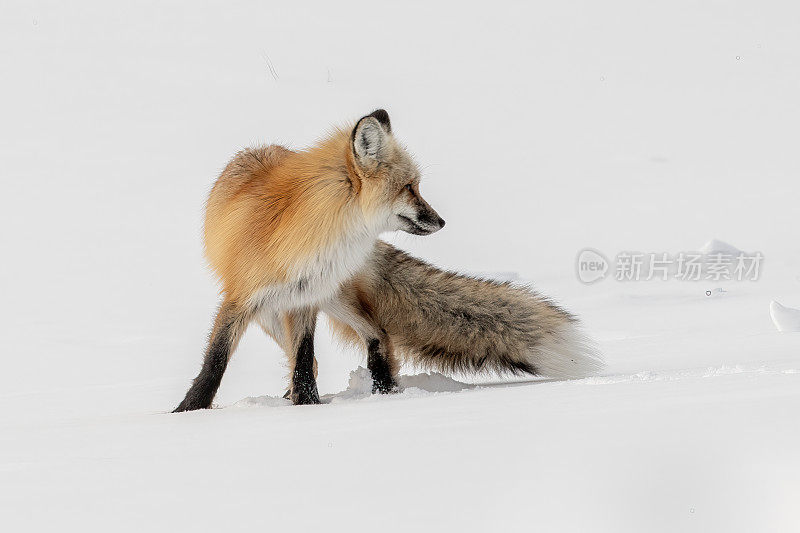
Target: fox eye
[409,188]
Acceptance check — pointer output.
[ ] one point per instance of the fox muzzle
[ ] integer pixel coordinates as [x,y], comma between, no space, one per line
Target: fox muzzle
[425,222]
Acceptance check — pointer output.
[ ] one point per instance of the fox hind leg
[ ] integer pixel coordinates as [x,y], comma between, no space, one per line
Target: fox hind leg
[379,364]
[229,325]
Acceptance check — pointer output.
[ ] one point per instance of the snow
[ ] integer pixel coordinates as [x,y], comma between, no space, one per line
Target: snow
[359,387]
[785,318]
[716,246]
[542,130]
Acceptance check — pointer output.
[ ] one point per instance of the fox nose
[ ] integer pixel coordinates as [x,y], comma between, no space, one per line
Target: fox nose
[441,222]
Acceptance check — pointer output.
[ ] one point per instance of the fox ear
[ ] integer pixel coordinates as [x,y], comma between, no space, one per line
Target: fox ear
[383,117]
[370,136]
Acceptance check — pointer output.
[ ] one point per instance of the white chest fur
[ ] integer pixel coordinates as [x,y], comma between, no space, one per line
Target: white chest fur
[318,279]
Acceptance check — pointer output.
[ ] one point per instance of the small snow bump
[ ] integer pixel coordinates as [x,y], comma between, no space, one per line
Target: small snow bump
[716,246]
[263,401]
[786,319]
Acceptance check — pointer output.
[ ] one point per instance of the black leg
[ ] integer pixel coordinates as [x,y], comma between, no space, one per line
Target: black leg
[383,381]
[227,329]
[304,385]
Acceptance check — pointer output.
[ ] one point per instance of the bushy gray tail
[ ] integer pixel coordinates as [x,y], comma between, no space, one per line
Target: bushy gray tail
[450,322]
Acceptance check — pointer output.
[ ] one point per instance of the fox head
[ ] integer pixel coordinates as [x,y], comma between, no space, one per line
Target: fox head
[389,179]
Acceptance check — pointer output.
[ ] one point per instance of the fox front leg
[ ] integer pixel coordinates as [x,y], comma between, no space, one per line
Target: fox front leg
[281,327]
[288,394]
[303,387]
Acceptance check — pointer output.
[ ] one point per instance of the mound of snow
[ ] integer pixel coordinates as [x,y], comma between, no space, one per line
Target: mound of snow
[715,246]
[263,401]
[786,319]
[359,387]
[433,382]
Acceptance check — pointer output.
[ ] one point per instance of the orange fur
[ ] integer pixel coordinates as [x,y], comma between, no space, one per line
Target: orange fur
[272,208]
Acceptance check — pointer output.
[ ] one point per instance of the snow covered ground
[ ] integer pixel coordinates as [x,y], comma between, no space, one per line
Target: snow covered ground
[543,129]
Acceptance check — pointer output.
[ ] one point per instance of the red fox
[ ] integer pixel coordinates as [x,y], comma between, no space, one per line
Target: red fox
[290,234]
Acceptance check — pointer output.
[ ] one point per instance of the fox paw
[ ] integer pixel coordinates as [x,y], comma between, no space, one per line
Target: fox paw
[304,396]
[385,387]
